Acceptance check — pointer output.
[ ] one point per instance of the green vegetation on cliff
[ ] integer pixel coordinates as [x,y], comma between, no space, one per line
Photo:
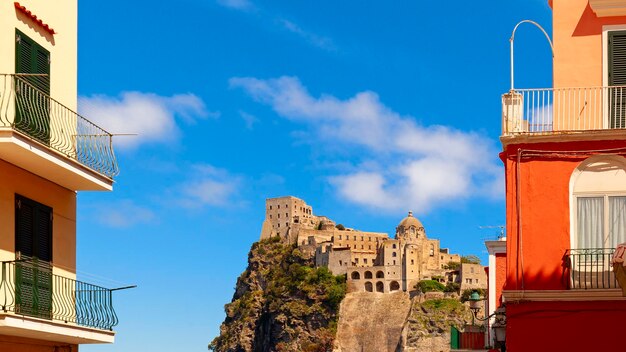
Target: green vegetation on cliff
[281,303]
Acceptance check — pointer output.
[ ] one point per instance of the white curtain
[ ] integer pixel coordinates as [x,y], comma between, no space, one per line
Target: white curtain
[617,221]
[590,222]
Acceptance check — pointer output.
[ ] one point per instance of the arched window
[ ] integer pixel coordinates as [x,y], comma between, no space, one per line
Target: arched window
[393,246]
[598,211]
[393,254]
[369,287]
[368,274]
[355,275]
[380,275]
[380,287]
[394,286]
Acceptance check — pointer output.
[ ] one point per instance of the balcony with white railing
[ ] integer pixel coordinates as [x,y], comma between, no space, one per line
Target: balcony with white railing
[45,137]
[550,111]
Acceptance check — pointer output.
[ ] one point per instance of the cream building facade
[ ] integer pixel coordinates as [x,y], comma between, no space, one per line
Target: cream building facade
[48,153]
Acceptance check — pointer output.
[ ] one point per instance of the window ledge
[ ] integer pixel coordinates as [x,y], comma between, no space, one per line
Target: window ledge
[608,8]
[564,295]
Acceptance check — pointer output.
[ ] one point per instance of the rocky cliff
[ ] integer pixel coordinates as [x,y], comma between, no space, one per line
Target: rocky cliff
[281,303]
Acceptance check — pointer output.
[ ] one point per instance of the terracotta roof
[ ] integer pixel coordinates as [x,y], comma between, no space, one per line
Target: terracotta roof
[33,17]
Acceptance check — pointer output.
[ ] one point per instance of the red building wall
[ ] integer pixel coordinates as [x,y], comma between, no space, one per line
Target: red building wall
[534,254]
[500,276]
[565,326]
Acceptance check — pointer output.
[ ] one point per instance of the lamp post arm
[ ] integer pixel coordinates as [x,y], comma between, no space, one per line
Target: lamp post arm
[512,39]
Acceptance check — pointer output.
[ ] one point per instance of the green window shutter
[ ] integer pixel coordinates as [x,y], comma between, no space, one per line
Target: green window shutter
[617,78]
[32,115]
[31,57]
[33,274]
[33,229]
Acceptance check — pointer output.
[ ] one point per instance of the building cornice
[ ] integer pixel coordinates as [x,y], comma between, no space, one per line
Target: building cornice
[608,8]
[560,137]
[563,295]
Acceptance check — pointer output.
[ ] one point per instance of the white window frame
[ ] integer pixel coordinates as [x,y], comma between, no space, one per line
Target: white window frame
[605,65]
[606,213]
[573,203]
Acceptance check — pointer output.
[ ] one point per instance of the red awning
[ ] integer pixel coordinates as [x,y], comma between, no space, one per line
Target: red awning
[33,17]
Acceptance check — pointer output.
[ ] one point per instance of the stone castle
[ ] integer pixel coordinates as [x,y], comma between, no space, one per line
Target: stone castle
[372,261]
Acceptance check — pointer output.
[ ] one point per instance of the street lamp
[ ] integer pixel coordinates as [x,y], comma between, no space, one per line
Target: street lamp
[498,327]
[512,39]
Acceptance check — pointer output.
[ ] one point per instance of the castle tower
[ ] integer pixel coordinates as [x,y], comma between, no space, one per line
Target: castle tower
[410,229]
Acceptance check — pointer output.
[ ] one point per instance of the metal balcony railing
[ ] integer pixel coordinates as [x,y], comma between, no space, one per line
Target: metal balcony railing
[28,287]
[589,268]
[25,107]
[553,110]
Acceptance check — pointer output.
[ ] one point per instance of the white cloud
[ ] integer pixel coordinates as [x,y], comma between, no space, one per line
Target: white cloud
[209,186]
[152,117]
[319,41]
[236,4]
[249,119]
[124,213]
[402,164]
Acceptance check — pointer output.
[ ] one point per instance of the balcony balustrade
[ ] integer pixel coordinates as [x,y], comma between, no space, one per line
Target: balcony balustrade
[29,288]
[589,268]
[563,110]
[27,109]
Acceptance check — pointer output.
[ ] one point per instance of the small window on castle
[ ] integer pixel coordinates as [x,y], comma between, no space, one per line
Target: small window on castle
[278,206]
[365,261]
[361,238]
[393,246]
[370,246]
[270,207]
[361,246]
[340,262]
[393,254]
[279,216]
[394,262]
[355,238]
[472,270]
[339,236]
[278,225]
[286,215]
[286,224]
[476,280]
[412,262]
[270,216]
[356,260]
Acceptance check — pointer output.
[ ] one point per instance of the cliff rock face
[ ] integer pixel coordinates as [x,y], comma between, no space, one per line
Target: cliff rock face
[372,321]
[281,303]
[428,325]
[392,322]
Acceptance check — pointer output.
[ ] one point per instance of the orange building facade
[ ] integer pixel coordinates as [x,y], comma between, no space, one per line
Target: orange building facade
[564,152]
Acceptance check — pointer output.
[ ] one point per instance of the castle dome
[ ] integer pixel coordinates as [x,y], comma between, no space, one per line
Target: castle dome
[409,221]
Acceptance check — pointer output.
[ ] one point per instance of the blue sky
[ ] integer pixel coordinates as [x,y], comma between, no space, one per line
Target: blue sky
[364,109]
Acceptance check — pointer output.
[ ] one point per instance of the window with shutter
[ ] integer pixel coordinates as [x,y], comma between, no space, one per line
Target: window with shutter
[33,247]
[32,61]
[617,78]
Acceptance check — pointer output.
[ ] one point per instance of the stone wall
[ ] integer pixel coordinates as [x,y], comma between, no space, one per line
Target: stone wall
[371,322]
